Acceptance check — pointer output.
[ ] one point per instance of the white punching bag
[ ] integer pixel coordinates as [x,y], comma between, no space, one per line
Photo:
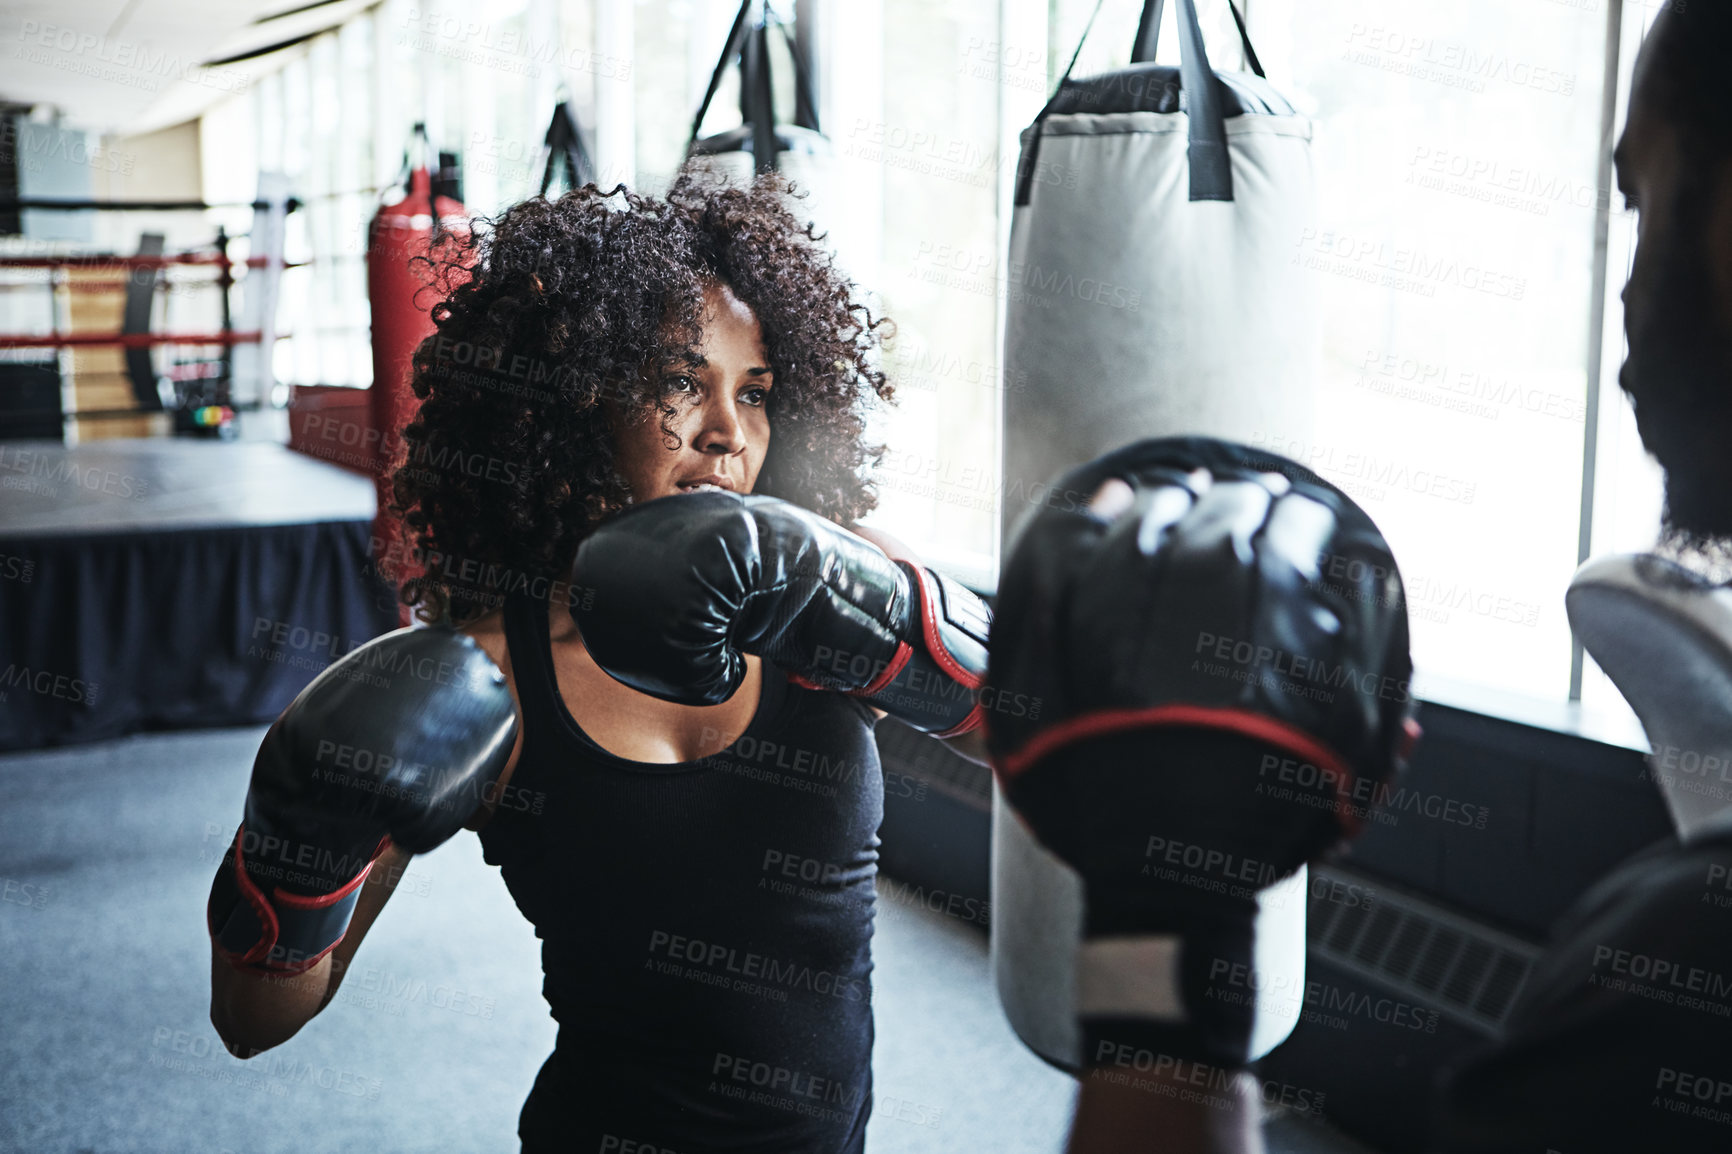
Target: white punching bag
[1152,293]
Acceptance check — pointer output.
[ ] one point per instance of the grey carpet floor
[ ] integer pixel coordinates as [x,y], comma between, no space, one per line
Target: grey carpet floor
[106,854]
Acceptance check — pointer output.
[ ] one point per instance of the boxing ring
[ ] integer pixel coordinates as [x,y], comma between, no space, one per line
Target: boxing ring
[172,583]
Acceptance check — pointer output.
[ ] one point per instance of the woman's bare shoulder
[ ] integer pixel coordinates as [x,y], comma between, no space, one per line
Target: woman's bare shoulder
[488,631]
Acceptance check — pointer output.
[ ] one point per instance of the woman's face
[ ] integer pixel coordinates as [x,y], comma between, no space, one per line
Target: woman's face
[720,400]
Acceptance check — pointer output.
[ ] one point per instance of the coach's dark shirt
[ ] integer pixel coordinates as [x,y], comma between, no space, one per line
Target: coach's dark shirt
[1622,1039]
[706,926]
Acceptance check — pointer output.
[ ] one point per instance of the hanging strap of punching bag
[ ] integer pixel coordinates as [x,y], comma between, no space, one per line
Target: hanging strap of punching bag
[748,40]
[564,143]
[1209,161]
[436,230]
[805,104]
[736,36]
[1211,166]
[757,99]
[1251,60]
[1031,155]
[1149,30]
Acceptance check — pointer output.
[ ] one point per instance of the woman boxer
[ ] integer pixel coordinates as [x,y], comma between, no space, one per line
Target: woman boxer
[702,875]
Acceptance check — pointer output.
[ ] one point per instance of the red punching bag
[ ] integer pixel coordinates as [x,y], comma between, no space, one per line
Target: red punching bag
[402,290]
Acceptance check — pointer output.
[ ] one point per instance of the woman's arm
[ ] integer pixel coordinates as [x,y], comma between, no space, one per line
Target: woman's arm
[254,1012]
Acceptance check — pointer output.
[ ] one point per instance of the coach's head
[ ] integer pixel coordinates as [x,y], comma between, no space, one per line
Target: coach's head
[1675,168]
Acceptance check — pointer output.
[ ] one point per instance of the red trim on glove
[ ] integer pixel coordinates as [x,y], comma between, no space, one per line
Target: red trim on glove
[904,652]
[256,958]
[934,640]
[1254,725]
[975,719]
[876,685]
[261,904]
[320,901]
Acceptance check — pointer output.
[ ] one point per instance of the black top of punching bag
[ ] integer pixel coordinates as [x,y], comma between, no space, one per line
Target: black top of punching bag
[1206,97]
[1156,88]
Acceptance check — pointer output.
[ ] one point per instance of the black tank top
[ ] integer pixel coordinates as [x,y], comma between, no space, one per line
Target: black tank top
[706,926]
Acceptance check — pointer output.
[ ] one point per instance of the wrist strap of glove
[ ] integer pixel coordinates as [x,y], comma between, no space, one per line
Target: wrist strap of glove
[1180,998]
[1185,974]
[264,928]
[932,681]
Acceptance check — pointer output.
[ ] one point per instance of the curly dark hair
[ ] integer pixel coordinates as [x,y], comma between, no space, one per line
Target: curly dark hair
[556,306]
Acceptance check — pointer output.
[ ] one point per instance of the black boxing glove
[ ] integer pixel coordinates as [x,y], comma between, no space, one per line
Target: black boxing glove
[396,742]
[684,585]
[1223,671]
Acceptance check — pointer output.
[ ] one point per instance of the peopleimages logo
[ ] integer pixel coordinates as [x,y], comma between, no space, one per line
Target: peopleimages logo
[1663,980]
[118,61]
[1321,1003]
[1219,863]
[36,151]
[47,683]
[1171,1073]
[1290,779]
[1292,669]
[720,960]
[785,1080]
[1681,1088]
